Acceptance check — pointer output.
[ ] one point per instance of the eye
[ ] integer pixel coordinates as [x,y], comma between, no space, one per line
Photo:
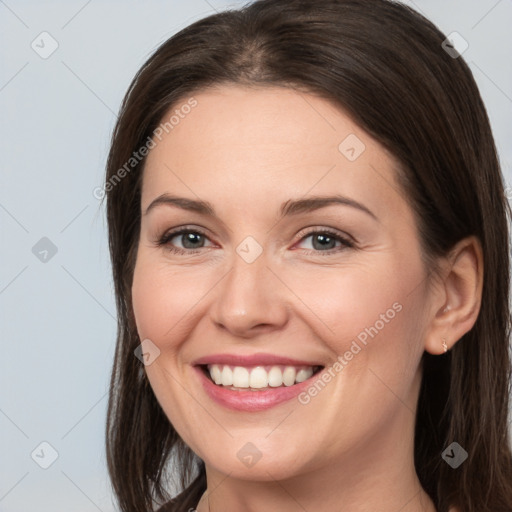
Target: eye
[190,240]
[184,240]
[325,241]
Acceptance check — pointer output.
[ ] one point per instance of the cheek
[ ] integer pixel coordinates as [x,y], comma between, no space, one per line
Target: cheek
[348,300]
[162,297]
[164,300]
[369,314]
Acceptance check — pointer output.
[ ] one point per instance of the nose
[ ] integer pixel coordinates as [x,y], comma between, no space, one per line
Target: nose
[250,300]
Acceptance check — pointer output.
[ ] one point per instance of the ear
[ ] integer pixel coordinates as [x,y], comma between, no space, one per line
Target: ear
[456,296]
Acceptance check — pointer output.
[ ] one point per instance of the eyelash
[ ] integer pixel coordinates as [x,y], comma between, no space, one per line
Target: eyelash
[166,238]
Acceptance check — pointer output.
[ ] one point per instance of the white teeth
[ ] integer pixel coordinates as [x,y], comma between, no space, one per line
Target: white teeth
[275,377]
[216,374]
[304,374]
[240,377]
[258,377]
[289,376]
[226,376]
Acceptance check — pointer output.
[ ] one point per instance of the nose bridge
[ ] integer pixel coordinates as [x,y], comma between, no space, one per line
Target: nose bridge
[249,298]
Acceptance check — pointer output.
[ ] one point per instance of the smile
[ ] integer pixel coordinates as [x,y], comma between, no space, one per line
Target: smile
[254,382]
[259,377]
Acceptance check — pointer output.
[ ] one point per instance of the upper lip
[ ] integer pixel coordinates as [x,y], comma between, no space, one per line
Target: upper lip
[260,359]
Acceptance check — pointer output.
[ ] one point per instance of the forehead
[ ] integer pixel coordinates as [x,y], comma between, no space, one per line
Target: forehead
[240,143]
[233,119]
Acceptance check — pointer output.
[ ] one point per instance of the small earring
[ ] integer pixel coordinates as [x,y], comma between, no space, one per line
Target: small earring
[445,346]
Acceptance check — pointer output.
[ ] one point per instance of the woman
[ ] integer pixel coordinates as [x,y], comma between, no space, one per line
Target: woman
[308,233]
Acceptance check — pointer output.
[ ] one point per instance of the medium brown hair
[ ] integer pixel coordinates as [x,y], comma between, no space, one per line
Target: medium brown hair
[384,64]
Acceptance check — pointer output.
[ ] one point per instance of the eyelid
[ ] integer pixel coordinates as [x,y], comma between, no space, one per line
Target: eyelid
[326,230]
[346,240]
[164,239]
[184,227]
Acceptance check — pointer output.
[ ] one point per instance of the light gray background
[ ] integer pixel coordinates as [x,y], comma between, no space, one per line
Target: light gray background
[58,317]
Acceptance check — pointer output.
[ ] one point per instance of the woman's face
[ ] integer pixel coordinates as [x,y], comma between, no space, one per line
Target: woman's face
[288,248]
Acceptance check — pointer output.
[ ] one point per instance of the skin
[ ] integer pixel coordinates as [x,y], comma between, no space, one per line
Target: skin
[247,151]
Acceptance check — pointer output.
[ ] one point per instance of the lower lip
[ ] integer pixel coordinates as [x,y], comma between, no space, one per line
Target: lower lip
[251,401]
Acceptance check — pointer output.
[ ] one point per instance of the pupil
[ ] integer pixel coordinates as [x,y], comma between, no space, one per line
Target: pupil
[189,239]
[326,242]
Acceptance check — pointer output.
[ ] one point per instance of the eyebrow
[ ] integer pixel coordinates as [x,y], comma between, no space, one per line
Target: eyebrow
[290,207]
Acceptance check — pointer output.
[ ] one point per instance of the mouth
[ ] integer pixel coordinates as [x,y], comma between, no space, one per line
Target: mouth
[257,378]
[255,382]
